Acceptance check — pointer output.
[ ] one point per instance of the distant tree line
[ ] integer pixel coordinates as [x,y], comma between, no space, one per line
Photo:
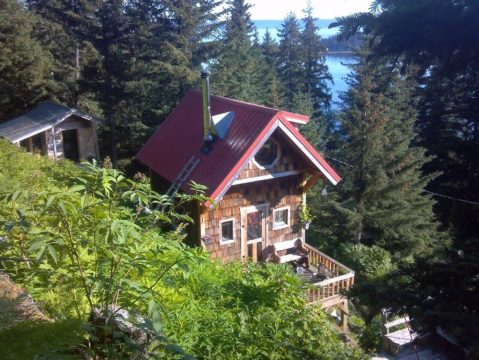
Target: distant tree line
[335,44]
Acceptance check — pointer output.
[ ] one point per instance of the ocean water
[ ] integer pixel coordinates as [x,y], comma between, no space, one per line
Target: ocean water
[339,69]
[337,63]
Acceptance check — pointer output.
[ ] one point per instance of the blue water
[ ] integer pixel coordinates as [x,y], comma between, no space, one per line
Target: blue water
[337,63]
[339,69]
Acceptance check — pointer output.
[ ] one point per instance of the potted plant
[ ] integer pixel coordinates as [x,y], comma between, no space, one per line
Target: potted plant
[305,216]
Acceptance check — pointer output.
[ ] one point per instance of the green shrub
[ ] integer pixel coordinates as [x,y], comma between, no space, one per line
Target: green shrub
[368,261]
[93,238]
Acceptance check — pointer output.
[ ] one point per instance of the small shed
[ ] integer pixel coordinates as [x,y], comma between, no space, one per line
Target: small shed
[54,130]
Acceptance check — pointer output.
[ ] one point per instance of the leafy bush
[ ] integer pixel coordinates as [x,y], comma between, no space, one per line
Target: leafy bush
[92,238]
[368,261]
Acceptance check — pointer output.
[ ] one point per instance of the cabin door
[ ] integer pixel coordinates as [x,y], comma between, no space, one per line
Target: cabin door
[253,231]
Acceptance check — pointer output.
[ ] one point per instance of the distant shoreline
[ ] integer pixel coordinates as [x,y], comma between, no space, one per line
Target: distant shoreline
[344,52]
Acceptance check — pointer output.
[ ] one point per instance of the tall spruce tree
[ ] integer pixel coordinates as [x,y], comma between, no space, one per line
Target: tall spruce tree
[57,32]
[239,66]
[146,55]
[291,61]
[270,80]
[441,38]
[316,74]
[25,67]
[169,48]
[419,33]
[381,201]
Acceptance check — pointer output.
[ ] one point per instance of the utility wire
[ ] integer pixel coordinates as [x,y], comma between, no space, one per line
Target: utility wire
[451,198]
[426,191]
[338,161]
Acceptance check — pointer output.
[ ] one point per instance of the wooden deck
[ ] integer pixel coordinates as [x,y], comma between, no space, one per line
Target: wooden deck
[328,278]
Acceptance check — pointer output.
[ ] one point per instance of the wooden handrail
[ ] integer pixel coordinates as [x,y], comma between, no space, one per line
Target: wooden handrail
[323,255]
[343,277]
[334,279]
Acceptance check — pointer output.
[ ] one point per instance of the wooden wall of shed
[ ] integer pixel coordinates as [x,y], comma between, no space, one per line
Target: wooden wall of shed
[87,147]
[85,136]
[276,193]
[86,143]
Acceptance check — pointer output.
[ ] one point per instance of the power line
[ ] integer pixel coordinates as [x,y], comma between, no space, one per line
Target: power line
[338,161]
[426,191]
[451,198]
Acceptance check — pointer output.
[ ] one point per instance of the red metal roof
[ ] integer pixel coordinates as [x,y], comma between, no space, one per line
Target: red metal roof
[180,137]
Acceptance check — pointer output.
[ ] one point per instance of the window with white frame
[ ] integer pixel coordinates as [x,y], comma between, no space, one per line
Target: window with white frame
[227,232]
[281,218]
[268,154]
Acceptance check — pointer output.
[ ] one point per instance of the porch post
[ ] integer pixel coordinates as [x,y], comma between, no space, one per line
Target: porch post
[344,315]
[54,144]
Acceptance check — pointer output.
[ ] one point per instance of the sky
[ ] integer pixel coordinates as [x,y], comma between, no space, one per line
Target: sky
[323,9]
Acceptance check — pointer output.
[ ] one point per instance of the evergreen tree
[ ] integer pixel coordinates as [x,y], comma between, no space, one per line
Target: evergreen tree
[145,55]
[56,31]
[239,66]
[448,125]
[25,67]
[381,201]
[439,37]
[271,83]
[291,61]
[316,74]
[269,49]
[168,52]
[419,33]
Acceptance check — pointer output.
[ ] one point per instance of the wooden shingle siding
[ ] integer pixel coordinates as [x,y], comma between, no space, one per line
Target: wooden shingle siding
[276,193]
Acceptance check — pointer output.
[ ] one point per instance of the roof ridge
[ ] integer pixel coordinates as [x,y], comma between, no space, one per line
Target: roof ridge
[241,102]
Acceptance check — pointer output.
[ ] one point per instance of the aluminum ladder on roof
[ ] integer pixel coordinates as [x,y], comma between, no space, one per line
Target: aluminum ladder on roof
[180,180]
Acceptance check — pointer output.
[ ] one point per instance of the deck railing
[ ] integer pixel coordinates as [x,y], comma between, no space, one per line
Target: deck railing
[342,277]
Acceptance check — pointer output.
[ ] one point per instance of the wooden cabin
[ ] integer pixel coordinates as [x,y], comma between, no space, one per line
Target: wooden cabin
[54,130]
[257,167]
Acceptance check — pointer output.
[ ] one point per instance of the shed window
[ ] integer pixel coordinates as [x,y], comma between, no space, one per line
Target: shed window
[227,231]
[281,218]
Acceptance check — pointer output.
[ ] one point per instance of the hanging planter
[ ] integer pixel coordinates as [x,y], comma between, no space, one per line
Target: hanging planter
[305,216]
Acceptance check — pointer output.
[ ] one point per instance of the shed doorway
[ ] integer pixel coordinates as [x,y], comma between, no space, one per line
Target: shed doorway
[70,145]
[254,231]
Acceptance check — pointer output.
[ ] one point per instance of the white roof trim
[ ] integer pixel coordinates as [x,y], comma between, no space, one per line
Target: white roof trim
[295,120]
[267,177]
[293,138]
[260,144]
[307,153]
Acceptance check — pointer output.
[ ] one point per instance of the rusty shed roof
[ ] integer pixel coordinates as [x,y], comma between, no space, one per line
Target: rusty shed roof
[46,115]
